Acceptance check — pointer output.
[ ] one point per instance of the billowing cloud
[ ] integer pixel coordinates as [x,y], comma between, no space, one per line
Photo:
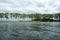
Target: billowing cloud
[30,6]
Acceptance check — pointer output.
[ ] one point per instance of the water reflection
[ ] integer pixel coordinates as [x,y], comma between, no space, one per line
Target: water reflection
[29,31]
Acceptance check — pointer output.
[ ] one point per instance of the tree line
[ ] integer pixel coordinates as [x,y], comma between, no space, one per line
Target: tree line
[36,16]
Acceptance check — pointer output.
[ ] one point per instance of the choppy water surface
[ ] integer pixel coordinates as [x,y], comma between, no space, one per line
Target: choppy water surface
[29,30]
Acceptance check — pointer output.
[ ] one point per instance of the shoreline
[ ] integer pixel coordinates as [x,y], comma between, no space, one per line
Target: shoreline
[25,21]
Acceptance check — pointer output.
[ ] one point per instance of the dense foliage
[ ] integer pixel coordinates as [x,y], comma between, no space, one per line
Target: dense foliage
[35,16]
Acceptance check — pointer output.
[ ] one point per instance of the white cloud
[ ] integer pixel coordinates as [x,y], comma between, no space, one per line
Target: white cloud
[42,6]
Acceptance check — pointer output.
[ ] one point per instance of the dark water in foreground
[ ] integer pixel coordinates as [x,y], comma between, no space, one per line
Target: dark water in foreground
[29,30]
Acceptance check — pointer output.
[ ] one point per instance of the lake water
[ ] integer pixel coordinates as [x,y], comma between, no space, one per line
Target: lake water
[29,30]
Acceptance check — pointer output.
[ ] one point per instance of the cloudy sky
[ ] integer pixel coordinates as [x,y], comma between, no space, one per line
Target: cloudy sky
[30,6]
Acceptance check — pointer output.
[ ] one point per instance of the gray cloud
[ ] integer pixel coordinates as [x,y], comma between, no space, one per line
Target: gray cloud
[29,6]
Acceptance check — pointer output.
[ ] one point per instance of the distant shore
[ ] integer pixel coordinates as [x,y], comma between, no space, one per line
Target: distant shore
[25,21]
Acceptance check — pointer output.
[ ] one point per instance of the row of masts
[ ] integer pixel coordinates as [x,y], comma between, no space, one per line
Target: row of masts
[26,18]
